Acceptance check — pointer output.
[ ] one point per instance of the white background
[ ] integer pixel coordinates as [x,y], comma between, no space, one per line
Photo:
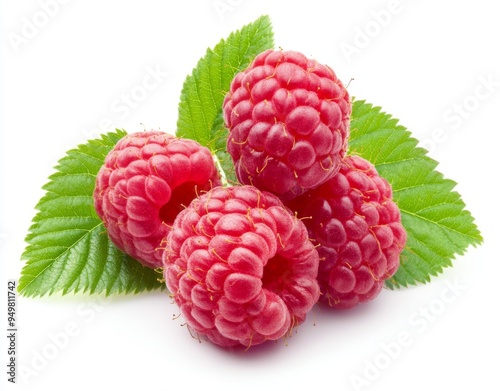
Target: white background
[425,62]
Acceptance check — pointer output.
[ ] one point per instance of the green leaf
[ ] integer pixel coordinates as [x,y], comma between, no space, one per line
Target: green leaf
[202,96]
[433,214]
[68,248]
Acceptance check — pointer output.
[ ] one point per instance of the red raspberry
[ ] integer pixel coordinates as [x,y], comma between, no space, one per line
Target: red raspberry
[288,120]
[358,228]
[146,180]
[240,267]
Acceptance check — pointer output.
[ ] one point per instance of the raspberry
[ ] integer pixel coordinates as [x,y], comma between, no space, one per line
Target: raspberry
[241,267]
[358,228]
[146,180]
[288,120]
